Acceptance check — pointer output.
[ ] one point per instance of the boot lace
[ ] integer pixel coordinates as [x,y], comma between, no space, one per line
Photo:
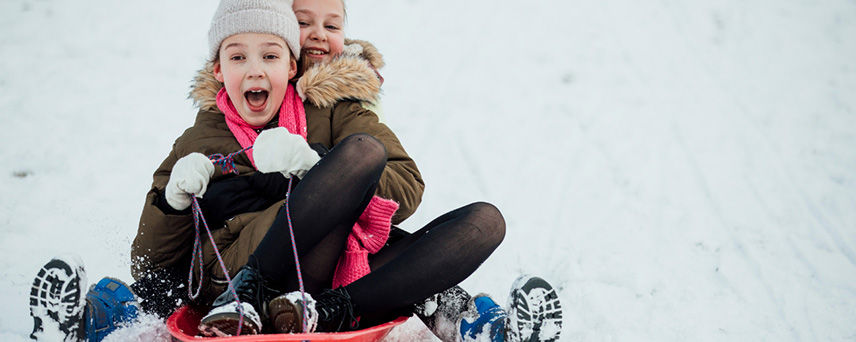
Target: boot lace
[333,305]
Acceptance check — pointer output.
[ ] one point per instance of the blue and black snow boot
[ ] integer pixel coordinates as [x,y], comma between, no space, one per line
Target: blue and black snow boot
[483,319]
[110,304]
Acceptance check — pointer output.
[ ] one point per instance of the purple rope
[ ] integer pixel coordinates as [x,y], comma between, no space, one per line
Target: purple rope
[197,214]
[196,254]
[296,258]
[227,164]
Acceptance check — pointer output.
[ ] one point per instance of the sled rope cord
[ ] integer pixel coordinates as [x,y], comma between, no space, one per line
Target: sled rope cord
[196,254]
[227,164]
[296,259]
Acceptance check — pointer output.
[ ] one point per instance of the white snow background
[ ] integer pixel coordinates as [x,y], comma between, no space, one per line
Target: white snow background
[680,170]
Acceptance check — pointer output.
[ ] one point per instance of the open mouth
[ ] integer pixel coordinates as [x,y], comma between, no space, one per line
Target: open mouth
[256,99]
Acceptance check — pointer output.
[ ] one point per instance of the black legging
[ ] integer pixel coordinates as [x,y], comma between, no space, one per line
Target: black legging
[325,205]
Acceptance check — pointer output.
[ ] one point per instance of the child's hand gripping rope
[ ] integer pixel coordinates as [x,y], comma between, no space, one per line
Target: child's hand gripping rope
[190,175]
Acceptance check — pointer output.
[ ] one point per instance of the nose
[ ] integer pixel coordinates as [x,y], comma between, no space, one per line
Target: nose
[254,69]
[317,33]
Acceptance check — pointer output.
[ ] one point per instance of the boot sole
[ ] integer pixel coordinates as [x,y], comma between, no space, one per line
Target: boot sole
[56,295]
[286,316]
[539,320]
[227,323]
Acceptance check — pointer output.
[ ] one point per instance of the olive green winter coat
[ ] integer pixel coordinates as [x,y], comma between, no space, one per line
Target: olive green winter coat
[333,96]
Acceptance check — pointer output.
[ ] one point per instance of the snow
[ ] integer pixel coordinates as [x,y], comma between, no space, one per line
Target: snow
[678,170]
[149,328]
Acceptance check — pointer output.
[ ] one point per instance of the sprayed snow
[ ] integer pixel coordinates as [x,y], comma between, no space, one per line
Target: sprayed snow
[429,308]
[443,313]
[679,170]
[148,328]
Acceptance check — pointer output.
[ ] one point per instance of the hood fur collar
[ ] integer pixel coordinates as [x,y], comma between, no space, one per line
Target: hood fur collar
[350,76]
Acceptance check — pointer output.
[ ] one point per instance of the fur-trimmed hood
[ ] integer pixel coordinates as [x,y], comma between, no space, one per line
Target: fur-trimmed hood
[352,75]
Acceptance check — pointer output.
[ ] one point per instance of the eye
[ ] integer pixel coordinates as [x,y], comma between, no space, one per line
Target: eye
[302,23]
[271,56]
[332,27]
[237,58]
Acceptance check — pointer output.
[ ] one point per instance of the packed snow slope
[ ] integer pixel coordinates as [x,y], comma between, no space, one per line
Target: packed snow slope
[679,170]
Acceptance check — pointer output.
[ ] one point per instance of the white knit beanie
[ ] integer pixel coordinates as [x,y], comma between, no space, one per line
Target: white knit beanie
[254,16]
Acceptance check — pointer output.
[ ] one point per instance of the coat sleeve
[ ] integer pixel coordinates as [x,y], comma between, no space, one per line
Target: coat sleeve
[401,180]
[163,240]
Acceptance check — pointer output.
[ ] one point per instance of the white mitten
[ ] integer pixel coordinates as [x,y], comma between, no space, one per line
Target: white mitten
[190,175]
[277,150]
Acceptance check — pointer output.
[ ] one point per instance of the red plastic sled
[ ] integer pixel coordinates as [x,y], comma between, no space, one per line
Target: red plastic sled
[183,326]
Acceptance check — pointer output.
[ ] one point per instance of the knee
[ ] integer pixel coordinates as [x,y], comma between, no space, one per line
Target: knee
[364,147]
[489,221]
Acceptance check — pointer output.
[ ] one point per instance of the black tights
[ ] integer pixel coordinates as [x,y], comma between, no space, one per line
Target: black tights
[325,205]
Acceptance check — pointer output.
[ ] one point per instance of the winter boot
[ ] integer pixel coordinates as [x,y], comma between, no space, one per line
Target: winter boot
[483,320]
[110,304]
[534,313]
[442,311]
[335,311]
[56,299]
[227,312]
[287,313]
[331,312]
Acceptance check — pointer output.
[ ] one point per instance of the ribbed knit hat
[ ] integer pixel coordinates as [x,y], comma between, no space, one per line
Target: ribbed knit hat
[254,16]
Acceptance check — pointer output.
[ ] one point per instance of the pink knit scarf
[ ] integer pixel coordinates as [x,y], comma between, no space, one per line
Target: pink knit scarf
[291,116]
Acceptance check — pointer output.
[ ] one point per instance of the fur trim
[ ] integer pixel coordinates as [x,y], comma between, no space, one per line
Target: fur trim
[204,89]
[344,77]
[369,53]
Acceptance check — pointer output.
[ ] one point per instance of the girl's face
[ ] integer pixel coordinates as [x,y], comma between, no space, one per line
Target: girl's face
[322,34]
[255,69]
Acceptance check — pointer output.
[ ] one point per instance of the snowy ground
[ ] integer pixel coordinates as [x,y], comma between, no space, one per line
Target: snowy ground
[680,170]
